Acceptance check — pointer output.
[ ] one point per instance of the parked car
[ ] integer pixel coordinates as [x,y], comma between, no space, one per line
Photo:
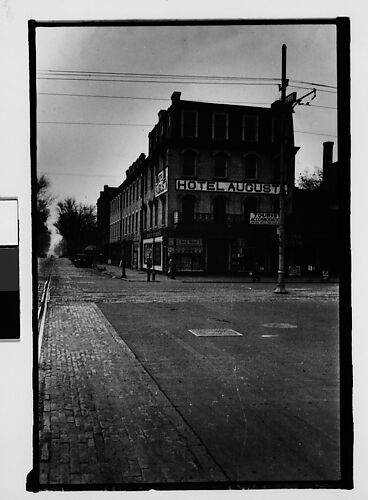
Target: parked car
[82,260]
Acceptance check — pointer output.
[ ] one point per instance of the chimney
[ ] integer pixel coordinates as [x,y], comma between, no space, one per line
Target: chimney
[175,97]
[327,160]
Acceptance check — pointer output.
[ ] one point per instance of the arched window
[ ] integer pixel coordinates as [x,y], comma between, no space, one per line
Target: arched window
[251,163]
[189,163]
[250,206]
[220,164]
[219,209]
[188,204]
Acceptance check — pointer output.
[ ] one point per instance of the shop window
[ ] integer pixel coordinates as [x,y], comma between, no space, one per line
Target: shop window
[188,204]
[220,164]
[251,166]
[220,126]
[157,254]
[189,163]
[189,124]
[250,128]
[219,209]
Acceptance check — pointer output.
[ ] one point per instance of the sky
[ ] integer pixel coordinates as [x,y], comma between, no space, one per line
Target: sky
[109,133]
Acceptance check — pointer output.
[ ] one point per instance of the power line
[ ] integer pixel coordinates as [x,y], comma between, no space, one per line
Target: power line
[73,174]
[152,125]
[309,88]
[153,81]
[314,84]
[154,75]
[99,123]
[104,96]
[313,133]
[164,99]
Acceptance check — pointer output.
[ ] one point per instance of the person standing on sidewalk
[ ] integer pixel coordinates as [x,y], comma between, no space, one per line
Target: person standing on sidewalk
[255,272]
[171,270]
[149,267]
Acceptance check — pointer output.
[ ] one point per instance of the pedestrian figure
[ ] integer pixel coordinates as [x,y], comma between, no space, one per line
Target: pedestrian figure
[149,267]
[255,272]
[171,270]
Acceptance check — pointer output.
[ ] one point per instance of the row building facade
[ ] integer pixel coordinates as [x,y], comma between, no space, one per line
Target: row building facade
[207,193]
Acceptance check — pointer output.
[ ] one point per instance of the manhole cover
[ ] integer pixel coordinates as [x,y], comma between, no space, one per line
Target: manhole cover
[279,325]
[215,332]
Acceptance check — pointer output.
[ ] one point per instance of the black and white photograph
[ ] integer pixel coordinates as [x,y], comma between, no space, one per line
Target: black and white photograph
[191,249]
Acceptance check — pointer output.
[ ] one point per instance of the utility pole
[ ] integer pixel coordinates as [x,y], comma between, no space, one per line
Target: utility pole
[281,229]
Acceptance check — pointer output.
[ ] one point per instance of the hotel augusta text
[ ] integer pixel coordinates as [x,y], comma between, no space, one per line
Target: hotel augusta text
[227,187]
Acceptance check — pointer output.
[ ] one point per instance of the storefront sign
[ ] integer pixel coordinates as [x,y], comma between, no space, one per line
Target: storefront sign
[161,185]
[228,187]
[264,218]
[187,241]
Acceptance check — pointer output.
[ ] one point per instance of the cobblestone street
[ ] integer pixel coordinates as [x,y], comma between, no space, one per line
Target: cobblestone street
[129,396]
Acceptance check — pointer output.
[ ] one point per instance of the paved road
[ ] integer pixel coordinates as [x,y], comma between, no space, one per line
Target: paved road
[129,395]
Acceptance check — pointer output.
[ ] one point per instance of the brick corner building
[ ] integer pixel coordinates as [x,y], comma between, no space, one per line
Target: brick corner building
[207,193]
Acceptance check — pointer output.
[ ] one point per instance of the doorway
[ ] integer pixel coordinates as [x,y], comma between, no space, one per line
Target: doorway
[217,256]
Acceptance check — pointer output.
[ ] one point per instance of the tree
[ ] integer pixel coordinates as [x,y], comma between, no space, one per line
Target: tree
[310,181]
[44,201]
[77,225]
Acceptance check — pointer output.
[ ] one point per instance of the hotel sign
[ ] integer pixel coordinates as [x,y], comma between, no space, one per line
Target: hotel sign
[161,185]
[228,187]
[264,218]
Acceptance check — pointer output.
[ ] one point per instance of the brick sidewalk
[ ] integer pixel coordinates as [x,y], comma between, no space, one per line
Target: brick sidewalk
[103,419]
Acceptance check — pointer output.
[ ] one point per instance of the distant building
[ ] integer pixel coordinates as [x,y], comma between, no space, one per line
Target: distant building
[207,192]
[312,241]
[103,221]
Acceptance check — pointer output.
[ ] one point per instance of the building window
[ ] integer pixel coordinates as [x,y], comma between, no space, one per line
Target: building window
[136,222]
[189,124]
[155,205]
[145,217]
[152,176]
[188,204]
[220,165]
[276,130]
[168,128]
[219,209]
[251,163]
[276,168]
[220,126]
[250,128]
[145,181]
[163,211]
[189,163]
[150,208]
